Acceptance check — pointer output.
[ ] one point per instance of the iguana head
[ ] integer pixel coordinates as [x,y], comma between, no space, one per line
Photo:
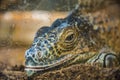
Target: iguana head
[58,43]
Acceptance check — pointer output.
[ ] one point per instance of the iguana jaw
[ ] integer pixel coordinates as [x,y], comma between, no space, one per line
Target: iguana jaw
[58,62]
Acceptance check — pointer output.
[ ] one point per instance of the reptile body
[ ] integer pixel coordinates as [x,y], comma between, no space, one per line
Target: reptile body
[81,37]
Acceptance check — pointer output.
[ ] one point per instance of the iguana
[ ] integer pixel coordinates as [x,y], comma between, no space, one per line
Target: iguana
[81,37]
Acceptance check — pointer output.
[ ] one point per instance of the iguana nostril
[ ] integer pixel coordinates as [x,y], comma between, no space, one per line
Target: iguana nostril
[39,54]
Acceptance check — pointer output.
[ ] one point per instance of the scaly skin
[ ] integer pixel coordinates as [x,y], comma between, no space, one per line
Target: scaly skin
[81,37]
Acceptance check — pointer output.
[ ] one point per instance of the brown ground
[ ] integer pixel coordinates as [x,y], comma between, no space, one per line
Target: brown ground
[75,72]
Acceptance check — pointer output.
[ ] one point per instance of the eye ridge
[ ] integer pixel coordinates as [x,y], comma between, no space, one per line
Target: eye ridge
[70,37]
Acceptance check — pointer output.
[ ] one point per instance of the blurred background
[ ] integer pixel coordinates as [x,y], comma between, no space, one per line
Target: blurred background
[19,21]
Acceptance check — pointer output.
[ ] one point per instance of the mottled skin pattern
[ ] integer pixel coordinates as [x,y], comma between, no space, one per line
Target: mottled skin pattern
[74,39]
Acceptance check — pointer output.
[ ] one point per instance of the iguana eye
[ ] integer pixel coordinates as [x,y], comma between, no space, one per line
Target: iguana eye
[69,38]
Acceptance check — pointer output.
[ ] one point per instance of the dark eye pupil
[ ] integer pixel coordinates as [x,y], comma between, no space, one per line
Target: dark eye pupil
[70,37]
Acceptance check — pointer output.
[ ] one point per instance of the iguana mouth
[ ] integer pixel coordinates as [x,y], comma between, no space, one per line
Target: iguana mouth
[58,62]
